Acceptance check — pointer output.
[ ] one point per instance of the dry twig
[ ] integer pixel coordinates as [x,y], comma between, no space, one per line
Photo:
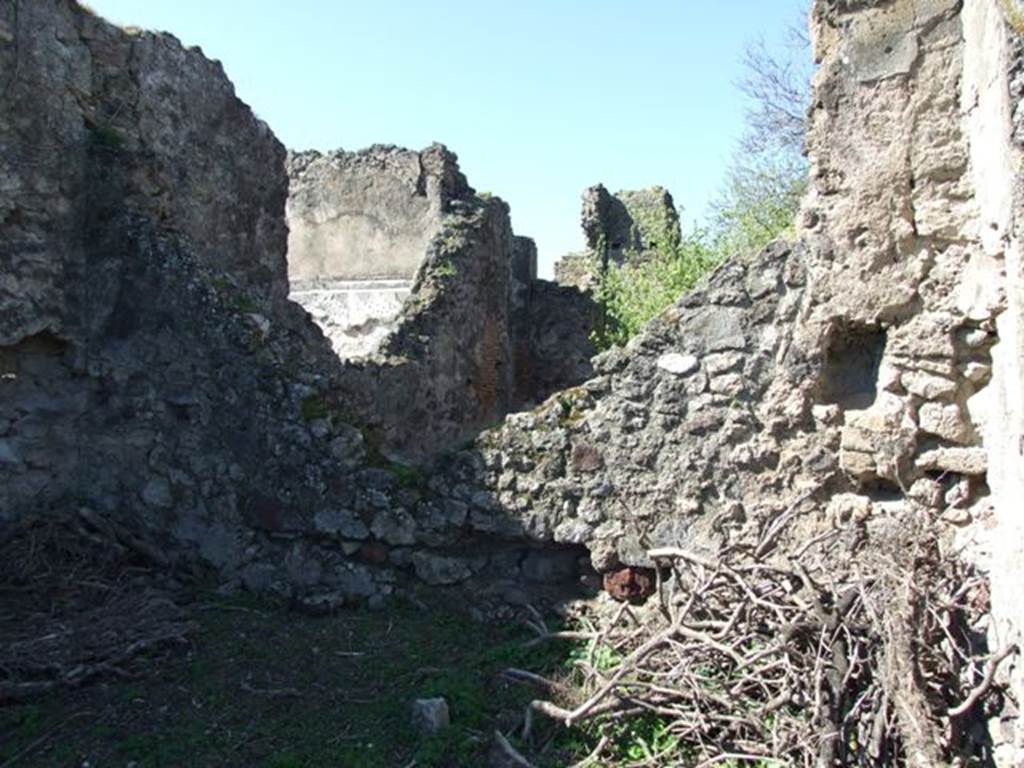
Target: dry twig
[830,661]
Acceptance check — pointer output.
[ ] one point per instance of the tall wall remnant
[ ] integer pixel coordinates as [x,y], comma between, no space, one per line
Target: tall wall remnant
[359,225]
[630,223]
[424,289]
[869,371]
[916,177]
[629,226]
[64,113]
[993,99]
[151,364]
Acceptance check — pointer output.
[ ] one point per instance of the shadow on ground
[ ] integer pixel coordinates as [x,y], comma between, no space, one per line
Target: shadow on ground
[258,684]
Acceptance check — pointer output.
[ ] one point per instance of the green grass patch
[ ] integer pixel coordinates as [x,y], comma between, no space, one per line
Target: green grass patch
[262,686]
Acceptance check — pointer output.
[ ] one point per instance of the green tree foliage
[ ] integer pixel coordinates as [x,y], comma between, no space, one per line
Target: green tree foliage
[768,175]
[631,295]
[758,202]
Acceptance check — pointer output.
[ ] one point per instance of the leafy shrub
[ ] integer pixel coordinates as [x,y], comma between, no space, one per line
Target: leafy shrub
[632,294]
[758,203]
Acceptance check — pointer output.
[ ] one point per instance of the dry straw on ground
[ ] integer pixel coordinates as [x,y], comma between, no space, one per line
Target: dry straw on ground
[78,604]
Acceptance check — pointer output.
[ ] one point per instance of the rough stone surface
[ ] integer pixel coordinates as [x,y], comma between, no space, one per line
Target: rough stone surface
[630,223]
[643,456]
[629,226]
[680,365]
[554,350]
[152,373]
[473,341]
[916,178]
[87,98]
[359,226]
[142,279]
[448,367]
[368,214]
[430,716]
[878,356]
[423,284]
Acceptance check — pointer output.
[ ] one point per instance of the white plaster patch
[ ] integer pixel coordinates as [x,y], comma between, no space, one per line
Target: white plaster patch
[677,364]
[356,315]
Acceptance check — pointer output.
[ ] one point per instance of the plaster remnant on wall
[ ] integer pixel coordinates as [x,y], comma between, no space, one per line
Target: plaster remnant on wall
[356,315]
[360,225]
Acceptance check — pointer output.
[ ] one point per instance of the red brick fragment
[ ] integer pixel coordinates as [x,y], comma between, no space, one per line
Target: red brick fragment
[629,584]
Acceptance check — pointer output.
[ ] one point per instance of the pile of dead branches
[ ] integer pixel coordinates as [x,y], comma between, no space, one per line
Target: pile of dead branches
[79,602]
[878,660]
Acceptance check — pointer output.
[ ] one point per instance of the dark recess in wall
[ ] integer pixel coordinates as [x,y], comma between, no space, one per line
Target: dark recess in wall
[850,371]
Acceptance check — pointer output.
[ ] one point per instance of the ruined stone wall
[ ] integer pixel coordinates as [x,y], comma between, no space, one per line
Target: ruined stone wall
[631,222]
[155,386]
[152,370]
[677,438]
[400,263]
[85,90]
[928,213]
[897,200]
[993,90]
[106,139]
[359,225]
[555,341]
[446,369]
[552,345]
[630,225]
[827,387]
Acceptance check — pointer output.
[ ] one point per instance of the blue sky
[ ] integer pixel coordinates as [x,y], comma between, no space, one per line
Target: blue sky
[539,98]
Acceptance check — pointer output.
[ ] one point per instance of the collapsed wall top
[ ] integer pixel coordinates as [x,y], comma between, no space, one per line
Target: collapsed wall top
[369,214]
[422,287]
[630,225]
